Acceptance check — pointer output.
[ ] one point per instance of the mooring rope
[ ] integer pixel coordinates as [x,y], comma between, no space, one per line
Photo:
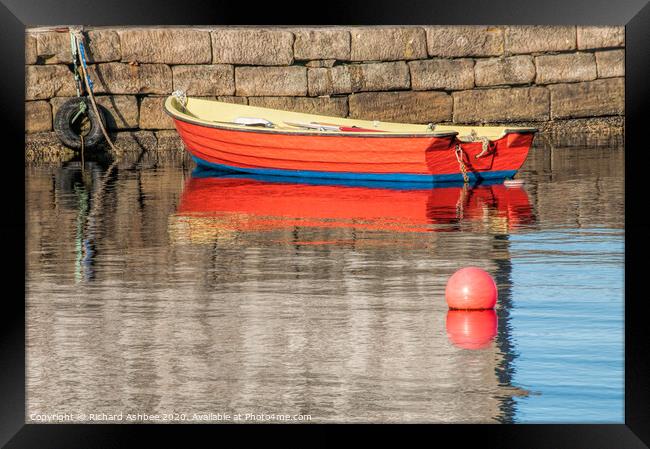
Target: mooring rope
[461,164]
[79,38]
[473,137]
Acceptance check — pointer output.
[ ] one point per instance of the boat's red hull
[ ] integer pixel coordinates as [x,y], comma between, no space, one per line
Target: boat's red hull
[400,158]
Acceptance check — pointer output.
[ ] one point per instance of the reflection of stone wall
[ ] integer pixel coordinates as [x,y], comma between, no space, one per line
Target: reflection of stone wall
[265,324]
[230,324]
[586,199]
[459,74]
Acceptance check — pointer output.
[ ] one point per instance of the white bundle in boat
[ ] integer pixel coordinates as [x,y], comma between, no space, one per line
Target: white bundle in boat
[253,121]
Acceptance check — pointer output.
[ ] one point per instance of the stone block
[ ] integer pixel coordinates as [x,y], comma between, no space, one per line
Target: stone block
[539,38]
[47,81]
[232,99]
[31,52]
[119,78]
[153,115]
[359,78]
[168,140]
[379,76]
[565,68]
[122,110]
[252,46]
[447,74]
[203,80]
[38,116]
[53,47]
[610,63]
[510,70]
[132,142]
[334,106]
[589,37]
[321,43]
[463,41]
[271,81]
[503,104]
[387,44]
[404,107]
[588,99]
[329,81]
[102,46]
[608,132]
[45,147]
[165,45]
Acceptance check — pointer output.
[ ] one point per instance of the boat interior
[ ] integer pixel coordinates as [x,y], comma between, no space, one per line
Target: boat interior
[217,114]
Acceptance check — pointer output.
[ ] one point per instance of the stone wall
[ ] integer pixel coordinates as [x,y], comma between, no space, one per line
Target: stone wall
[546,75]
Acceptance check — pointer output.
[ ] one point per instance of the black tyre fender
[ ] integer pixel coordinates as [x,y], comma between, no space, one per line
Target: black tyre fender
[66,132]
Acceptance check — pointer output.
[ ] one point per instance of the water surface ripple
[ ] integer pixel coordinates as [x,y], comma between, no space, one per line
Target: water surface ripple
[159,290]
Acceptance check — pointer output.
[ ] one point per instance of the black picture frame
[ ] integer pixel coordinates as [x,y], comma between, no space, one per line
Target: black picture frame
[16,15]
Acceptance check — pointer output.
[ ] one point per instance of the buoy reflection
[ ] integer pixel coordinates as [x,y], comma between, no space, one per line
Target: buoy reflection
[471,329]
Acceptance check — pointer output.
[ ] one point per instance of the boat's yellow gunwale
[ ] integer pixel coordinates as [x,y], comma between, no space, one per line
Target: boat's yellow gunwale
[174,112]
[306,132]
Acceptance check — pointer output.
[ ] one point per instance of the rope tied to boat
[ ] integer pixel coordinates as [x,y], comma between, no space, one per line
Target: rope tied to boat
[474,137]
[459,157]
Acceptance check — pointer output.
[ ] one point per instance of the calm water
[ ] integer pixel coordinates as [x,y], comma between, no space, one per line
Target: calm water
[156,290]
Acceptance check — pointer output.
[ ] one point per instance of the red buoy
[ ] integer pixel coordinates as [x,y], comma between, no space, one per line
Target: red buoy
[471,329]
[470,289]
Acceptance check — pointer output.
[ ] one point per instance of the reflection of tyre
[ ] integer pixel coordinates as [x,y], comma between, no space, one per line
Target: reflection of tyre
[86,124]
[69,178]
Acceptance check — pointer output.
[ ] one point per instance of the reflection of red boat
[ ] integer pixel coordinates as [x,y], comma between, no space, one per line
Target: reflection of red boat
[253,204]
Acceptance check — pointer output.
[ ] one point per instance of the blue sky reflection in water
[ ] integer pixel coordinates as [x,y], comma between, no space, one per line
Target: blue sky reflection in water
[567,324]
[136,303]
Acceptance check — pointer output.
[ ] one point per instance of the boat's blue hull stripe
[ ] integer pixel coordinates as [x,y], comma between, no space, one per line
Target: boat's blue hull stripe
[402,177]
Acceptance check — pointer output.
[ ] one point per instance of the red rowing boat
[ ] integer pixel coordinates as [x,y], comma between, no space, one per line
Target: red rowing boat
[271,142]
